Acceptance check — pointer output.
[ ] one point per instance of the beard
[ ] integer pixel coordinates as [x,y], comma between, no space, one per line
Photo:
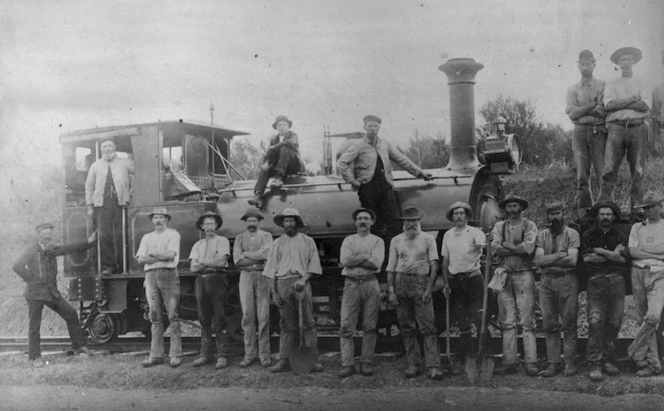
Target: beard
[290,231]
[252,228]
[556,226]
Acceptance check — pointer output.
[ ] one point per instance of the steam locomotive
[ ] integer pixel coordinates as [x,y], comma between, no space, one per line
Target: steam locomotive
[186,168]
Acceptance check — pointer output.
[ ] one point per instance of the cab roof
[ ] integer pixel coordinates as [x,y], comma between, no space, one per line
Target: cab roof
[190,126]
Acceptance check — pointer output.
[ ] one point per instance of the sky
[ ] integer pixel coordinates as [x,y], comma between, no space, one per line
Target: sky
[70,65]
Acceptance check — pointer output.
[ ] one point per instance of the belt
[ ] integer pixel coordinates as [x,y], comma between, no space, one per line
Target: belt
[556,275]
[628,123]
[160,268]
[412,274]
[207,275]
[288,277]
[361,278]
[464,276]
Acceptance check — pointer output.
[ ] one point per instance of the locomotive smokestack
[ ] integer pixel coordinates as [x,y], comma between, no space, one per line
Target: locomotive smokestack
[461,79]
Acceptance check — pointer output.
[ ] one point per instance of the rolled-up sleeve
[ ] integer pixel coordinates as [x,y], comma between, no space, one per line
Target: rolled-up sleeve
[378,253]
[529,242]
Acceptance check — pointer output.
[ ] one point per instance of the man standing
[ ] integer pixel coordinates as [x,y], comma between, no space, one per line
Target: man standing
[160,252]
[411,274]
[585,107]
[657,117]
[209,257]
[292,262]
[514,243]
[250,252]
[461,251]
[282,158]
[556,254]
[38,267]
[366,166]
[362,255]
[627,103]
[604,260]
[107,192]
[646,247]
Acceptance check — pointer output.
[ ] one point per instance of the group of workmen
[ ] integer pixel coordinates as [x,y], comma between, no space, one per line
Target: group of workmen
[281,270]
[611,122]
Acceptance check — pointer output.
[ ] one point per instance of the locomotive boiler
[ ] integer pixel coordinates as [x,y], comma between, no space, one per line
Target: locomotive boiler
[185,167]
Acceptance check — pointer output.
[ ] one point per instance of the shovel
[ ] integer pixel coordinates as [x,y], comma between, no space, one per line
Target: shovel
[301,358]
[447,337]
[479,368]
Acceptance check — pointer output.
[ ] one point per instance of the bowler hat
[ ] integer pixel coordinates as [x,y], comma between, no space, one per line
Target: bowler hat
[411,213]
[371,117]
[160,211]
[252,212]
[594,210]
[365,210]
[209,214]
[636,53]
[457,205]
[282,118]
[288,212]
[44,226]
[651,199]
[513,198]
[586,55]
[555,206]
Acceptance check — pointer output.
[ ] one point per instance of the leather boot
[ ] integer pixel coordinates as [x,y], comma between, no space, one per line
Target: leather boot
[550,371]
[281,366]
[257,201]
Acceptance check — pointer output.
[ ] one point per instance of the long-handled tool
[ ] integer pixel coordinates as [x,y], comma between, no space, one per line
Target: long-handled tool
[479,369]
[301,358]
[447,337]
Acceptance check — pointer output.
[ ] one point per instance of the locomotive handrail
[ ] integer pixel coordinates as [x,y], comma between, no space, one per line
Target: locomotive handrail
[233,190]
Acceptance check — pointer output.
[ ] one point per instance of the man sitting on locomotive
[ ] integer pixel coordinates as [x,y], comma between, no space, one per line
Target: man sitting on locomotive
[282,158]
[38,267]
[209,256]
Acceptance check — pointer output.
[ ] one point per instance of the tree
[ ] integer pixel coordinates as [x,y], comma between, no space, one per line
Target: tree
[541,144]
[247,158]
[427,152]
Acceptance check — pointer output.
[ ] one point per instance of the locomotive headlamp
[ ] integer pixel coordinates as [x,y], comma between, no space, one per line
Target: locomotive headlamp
[502,151]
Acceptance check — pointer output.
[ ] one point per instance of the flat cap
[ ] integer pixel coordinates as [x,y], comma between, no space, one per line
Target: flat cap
[555,206]
[371,117]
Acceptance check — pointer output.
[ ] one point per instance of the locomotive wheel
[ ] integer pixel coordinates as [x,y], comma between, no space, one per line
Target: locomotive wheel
[104,328]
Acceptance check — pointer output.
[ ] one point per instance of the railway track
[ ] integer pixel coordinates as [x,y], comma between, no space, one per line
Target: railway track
[326,343]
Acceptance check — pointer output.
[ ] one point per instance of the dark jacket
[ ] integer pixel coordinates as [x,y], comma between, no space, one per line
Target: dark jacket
[39,269]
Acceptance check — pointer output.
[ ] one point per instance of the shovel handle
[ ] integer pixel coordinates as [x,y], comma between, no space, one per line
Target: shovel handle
[447,324]
[487,272]
[301,322]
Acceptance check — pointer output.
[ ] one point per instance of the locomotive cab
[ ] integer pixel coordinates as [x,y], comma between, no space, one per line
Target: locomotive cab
[177,165]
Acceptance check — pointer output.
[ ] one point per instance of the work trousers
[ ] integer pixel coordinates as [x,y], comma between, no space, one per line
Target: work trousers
[359,296]
[558,298]
[588,144]
[518,294]
[289,317]
[412,312]
[162,289]
[211,291]
[467,298]
[64,310]
[648,290]
[606,299]
[620,142]
[378,195]
[255,302]
[109,224]
[283,160]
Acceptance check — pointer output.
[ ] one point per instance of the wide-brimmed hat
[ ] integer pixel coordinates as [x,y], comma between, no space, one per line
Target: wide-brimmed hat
[209,214]
[555,206]
[44,226]
[594,210]
[161,211]
[371,117]
[636,53]
[252,212]
[411,213]
[513,198]
[650,199]
[365,210]
[288,212]
[459,204]
[282,118]
[586,55]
